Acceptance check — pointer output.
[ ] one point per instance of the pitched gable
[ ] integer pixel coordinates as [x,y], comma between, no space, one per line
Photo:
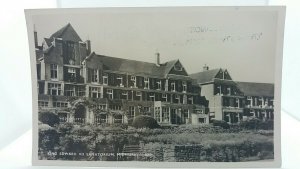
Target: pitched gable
[223,74]
[205,76]
[67,33]
[175,68]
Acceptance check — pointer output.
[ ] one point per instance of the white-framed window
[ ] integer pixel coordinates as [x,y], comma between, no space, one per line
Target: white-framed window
[110,93]
[105,78]
[133,79]
[157,114]
[184,86]
[164,97]
[43,104]
[80,90]
[146,81]
[191,100]
[146,109]
[94,75]
[120,80]
[125,93]
[131,112]
[54,89]
[152,96]
[237,102]
[118,118]
[101,118]
[138,94]
[158,85]
[173,87]
[177,97]
[165,114]
[53,71]
[229,90]
[60,104]
[95,92]
[72,71]
[115,107]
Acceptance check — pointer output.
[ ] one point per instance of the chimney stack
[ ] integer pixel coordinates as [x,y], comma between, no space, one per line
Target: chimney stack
[35,37]
[205,68]
[157,58]
[88,47]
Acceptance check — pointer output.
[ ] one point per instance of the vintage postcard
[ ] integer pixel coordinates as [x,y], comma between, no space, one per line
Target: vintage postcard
[157,87]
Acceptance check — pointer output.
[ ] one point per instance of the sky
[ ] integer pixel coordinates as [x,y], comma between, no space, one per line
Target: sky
[241,41]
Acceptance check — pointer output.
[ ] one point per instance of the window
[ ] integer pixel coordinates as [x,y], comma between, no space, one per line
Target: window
[110,93]
[173,88]
[146,80]
[139,94]
[69,90]
[219,90]
[80,90]
[54,89]
[42,104]
[94,75]
[133,79]
[118,118]
[184,86]
[158,85]
[190,100]
[120,79]
[131,112]
[125,95]
[237,103]
[152,97]
[115,107]
[157,114]
[164,97]
[228,90]
[60,104]
[202,120]
[105,78]
[185,116]
[53,71]
[146,109]
[95,92]
[101,119]
[102,106]
[165,114]
[177,97]
[72,74]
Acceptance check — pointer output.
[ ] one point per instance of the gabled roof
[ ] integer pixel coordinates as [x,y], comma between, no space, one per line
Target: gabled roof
[205,76]
[48,41]
[256,89]
[67,33]
[133,66]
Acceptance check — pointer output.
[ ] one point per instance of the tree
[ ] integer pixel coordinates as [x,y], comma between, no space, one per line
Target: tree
[49,118]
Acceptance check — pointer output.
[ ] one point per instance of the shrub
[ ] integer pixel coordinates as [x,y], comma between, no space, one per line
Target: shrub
[49,118]
[48,137]
[143,121]
[221,123]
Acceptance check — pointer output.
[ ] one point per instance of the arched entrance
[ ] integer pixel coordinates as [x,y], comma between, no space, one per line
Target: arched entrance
[80,114]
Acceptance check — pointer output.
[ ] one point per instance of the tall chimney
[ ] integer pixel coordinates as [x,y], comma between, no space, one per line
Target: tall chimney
[88,47]
[157,58]
[36,44]
[205,68]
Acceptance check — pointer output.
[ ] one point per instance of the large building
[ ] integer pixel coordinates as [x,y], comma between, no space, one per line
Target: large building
[84,87]
[69,75]
[233,101]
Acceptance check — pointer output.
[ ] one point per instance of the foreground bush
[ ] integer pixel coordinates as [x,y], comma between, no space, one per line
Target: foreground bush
[143,121]
[221,123]
[49,118]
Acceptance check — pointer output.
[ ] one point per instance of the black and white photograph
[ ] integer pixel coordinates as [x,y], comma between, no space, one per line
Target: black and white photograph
[158,86]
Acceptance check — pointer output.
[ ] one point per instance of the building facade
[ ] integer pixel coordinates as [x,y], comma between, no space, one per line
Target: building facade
[233,101]
[84,87]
